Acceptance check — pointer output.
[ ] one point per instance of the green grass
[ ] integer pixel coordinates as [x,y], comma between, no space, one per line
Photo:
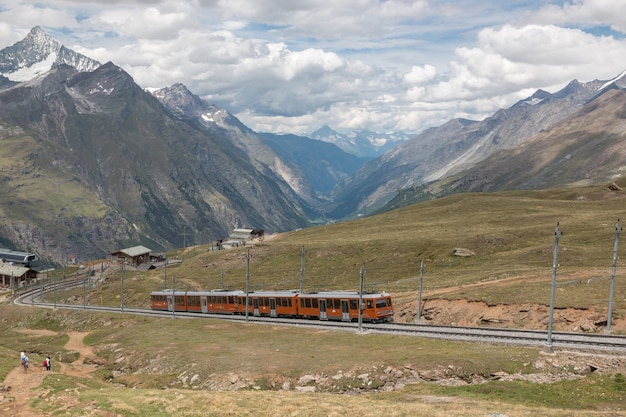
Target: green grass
[150,355]
[511,234]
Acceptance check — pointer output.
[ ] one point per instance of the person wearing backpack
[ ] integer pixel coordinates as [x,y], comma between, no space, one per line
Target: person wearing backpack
[25,363]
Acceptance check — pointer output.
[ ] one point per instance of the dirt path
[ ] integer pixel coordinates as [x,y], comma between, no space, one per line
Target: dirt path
[23,385]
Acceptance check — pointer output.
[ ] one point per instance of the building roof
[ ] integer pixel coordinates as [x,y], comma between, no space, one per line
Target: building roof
[240,234]
[134,251]
[12,270]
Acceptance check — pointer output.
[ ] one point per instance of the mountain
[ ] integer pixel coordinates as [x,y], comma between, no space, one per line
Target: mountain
[587,148]
[36,54]
[446,150]
[99,164]
[323,164]
[362,143]
[91,162]
[222,125]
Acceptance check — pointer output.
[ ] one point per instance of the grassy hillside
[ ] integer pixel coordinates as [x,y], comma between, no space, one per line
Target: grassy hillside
[196,363]
[510,234]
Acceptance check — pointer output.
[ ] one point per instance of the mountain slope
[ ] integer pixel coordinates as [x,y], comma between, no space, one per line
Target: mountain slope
[443,151]
[225,127]
[323,164]
[126,170]
[587,148]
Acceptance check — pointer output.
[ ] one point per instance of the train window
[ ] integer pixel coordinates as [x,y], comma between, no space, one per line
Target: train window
[315,305]
[381,302]
[337,303]
[289,302]
[369,304]
[353,304]
[278,302]
[307,302]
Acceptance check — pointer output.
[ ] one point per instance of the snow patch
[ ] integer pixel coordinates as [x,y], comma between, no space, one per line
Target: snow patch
[613,80]
[35,70]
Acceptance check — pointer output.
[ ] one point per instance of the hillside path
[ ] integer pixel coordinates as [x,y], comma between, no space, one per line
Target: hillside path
[24,385]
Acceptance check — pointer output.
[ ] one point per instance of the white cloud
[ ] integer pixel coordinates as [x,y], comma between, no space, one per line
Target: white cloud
[296,65]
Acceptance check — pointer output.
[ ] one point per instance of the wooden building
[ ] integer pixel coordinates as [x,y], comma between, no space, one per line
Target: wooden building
[16,275]
[136,255]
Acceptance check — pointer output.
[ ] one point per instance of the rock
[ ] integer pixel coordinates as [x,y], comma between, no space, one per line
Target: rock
[306,379]
[463,252]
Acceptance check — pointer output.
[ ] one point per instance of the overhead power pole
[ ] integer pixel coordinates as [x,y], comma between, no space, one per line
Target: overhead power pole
[618,230]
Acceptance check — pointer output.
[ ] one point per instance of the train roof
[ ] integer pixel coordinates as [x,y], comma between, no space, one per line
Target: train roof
[217,292]
[283,293]
[211,292]
[344,294]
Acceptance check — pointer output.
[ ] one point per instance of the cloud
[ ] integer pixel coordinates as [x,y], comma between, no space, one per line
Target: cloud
[296,65]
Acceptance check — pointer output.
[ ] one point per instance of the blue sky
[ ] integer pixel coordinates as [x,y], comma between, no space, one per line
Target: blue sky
[293,66]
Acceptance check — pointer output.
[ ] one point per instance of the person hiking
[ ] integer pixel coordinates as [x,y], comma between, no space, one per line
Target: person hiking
[25,363]
[46,363]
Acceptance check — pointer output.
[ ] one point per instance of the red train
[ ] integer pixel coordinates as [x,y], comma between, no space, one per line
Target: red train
[331,305]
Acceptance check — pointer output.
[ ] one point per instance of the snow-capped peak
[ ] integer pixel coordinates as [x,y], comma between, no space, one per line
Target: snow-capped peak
[36,54]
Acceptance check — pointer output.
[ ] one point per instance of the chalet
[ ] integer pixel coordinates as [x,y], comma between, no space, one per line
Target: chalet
[240,235]
[16,275]
[244,235]
[136,255]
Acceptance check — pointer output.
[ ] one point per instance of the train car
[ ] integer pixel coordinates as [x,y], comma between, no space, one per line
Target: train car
[215,301]
[330,305]
[270,303]
[343,306]
[168,300]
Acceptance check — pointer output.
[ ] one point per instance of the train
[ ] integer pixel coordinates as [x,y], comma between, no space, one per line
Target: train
[326,305]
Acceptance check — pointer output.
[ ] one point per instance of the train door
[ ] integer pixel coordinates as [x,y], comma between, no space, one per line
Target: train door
[203,304]
[273,307]
[255,303]
[323,315]
[170,303]
[345,310]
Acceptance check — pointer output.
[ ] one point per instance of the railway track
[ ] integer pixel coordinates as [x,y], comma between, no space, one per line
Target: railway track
[605,343]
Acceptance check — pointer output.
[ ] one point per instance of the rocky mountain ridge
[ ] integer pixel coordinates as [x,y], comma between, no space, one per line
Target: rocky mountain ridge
[442,152]
[36,53]
[100,164]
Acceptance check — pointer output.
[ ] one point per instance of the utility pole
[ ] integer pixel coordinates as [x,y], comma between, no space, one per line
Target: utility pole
[173,297]
[122,286]
[618,229]
[557,237]
[247,281]
[419,298]
[165,273]
[184,235]
[361,299]
[301,269]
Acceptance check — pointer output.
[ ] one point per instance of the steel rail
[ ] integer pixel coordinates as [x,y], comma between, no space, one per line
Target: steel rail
[606,343]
